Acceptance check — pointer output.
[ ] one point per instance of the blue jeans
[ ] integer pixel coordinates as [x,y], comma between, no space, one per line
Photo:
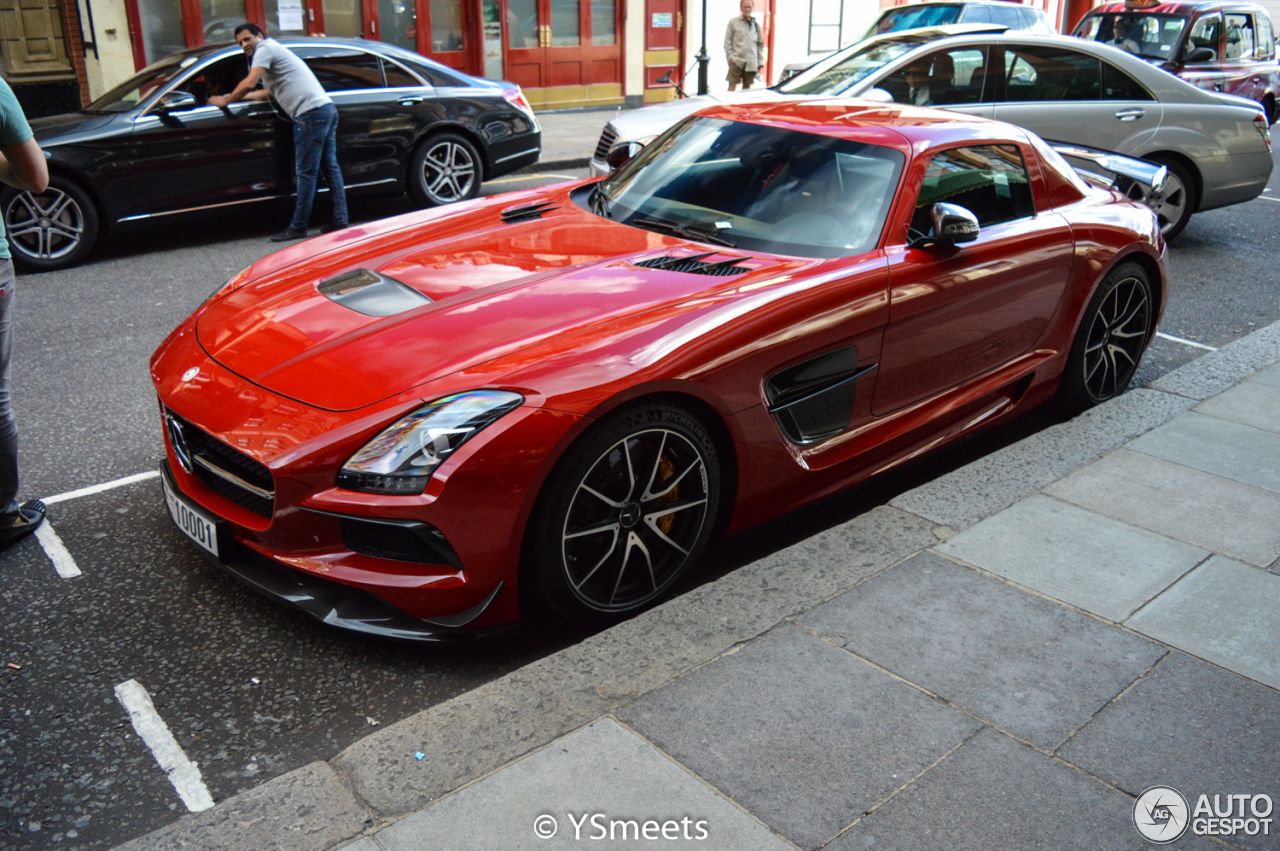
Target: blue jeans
[315,144]
[8,426]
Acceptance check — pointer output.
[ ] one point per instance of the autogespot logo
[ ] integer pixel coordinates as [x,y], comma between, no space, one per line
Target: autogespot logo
[1160,814]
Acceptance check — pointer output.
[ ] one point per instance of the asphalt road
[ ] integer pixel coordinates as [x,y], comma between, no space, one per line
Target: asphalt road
[249,689]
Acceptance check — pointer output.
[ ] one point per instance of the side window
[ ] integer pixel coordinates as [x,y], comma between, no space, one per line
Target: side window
[1207,32]
[945,78]
[1036,73]
[220,78]
[340,70]
[398,77]
[1007,16]
[975,15]
[989,181]
[1117,85]
[1241,44]
[1266,41]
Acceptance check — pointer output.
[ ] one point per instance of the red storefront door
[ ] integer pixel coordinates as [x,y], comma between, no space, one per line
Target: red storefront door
[562,44]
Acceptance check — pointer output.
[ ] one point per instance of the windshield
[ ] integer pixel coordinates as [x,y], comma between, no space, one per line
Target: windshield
[1142,34]
[911,17]
[758,188]
[142,85]
[837,79]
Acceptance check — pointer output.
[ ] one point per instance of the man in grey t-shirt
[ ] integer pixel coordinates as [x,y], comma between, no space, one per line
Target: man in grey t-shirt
[315,123]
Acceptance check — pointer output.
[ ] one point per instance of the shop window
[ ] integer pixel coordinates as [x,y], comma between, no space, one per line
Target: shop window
[446,26]
[604,16]
[825,25]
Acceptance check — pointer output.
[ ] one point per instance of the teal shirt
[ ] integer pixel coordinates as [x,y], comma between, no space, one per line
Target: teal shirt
[13,131]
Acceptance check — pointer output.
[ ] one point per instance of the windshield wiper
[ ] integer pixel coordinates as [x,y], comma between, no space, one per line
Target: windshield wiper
[687,229]
[599,201]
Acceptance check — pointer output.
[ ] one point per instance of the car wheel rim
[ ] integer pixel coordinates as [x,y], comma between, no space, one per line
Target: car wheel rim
[1169,203]
[45,226]
[1116,339]
[634,519]
[448,172]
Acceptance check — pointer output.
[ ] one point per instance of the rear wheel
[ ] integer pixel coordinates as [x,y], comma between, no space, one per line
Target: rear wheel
[50,230]
[1176,201]
[445,168]
[1113,334]
[626,513]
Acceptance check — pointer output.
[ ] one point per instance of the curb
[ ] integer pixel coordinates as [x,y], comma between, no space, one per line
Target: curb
[554,165]
[378,780]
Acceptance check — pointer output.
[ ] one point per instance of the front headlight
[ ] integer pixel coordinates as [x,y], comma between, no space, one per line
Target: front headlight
[401,459]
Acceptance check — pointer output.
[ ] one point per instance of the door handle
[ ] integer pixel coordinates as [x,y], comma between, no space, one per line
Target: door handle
[1130,114]
[411,100]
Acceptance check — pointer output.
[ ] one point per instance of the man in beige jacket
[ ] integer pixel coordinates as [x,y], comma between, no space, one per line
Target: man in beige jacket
[743,47]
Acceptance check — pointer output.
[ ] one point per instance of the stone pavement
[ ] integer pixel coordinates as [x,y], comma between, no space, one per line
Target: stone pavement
[569,138]
[1004,658]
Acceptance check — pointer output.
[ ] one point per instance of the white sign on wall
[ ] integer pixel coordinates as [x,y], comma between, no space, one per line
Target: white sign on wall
[289,15]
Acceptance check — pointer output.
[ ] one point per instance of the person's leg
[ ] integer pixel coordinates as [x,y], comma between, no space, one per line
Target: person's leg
[8,426]
[748,79]
[333,173]
[307,140]
[735,75]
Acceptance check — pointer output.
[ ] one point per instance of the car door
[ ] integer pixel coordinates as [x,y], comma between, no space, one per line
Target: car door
[381,107]
[1071,96]
[200,157]
[959,311]
[958,79]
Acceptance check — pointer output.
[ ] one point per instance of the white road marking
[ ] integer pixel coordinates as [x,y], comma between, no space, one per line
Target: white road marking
[183,773]
[57,553]
[106,486]
[1185,342]
[530,177]
[1265,198]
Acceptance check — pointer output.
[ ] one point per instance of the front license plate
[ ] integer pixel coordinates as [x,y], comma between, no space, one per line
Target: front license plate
[193,524]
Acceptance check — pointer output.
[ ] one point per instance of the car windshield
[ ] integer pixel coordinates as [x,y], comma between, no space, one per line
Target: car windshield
[835,79]
[757,188]
[1143,34]
[140,86]
[911,17]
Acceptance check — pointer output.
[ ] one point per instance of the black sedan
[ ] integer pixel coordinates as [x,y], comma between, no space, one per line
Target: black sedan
[152,150]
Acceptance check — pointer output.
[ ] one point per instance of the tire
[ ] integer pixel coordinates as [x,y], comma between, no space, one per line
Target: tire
[52,230]
[1177,201]
[1269,107]
[599,547]
[445,168]
[1113,334]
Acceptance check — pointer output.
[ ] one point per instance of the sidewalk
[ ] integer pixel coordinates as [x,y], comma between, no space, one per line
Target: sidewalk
[569,138]
[1003,658]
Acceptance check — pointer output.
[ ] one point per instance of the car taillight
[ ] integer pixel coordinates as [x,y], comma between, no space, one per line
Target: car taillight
[1263,127]
[516,99]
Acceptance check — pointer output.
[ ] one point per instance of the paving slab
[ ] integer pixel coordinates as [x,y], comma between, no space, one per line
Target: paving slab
[1209,511]
[1237,452]
[1097,564]
[1269,376]
[1225,612]
[996,481]
[597,787]
[801,733]
[995,793]
[305,809]
[1253,403]
[1027,665]
[1215,372]
[1192,726]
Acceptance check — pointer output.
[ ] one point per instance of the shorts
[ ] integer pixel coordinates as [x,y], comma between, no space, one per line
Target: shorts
[737,74]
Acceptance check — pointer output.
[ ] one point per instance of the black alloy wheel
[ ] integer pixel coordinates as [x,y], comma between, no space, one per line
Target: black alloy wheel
[50,230]
[623,517]
[1114,332]
[445,168]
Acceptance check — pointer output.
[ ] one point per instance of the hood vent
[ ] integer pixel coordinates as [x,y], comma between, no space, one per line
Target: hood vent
[371,293]
[524,214]
[693,265]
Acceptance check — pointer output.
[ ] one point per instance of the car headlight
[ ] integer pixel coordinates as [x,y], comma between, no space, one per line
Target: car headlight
[401,459]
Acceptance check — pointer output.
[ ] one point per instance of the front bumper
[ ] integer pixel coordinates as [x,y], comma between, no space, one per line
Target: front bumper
[336,604]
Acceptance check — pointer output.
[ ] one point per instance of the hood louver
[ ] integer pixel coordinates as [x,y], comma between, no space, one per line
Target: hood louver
[371,293]
[693,265]
[524,214]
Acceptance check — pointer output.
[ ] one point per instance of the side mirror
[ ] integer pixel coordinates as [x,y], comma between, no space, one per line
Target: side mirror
[621,153]
[1202,54]
[877,96]
[175,101]
[953,224]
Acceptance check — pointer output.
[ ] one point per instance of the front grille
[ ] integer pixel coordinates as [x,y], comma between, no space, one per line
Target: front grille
[607,138]
[202,451]
[693,266]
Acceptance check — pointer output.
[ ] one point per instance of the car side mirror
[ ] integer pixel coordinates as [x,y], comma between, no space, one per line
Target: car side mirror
[953,224]
[1202,54]
[877,96]
[175,101]
[621,153]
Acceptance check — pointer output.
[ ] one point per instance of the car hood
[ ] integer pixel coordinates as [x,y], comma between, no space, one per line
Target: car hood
[69,126]
[495,288]
[652,120]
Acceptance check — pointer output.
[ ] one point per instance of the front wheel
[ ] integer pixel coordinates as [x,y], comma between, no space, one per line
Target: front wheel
[1176,201]
[1113,334]
[51,230]
[626,513]
[445,168]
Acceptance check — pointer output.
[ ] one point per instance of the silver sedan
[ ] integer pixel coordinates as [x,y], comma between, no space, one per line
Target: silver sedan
[1217,147]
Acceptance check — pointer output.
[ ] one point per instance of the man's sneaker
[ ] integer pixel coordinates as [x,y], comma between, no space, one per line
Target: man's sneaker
[288,234]
[333,227]
[30,516]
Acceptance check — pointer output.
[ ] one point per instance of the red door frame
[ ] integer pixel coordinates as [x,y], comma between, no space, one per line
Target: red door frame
[192,25]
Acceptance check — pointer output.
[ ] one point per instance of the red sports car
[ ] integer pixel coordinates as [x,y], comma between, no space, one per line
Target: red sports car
[429,427]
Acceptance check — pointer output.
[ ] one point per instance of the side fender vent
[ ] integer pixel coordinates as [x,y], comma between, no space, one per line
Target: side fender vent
[524,214]
[693,265]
